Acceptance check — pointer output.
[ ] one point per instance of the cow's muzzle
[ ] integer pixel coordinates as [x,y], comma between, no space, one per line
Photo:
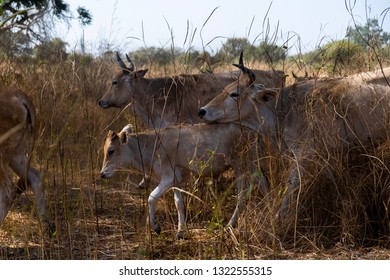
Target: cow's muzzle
[202,112]
[105,175]
[103,104]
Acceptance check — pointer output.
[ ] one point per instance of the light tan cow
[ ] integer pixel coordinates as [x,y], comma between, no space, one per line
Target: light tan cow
[160,102]
[379,76]
[18,130]
[376,77]
[306,118]
[175,153]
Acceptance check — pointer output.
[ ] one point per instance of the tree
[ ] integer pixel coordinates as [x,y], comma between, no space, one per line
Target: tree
[159,56]
[27,14]
[369,35]
[191,57]
[270,53]
[53,51]
[266,52]
[14,45]
[343,57]
[234,46]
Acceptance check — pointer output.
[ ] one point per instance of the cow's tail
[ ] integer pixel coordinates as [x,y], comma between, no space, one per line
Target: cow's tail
[29,136]
[11,132]
[25,121]
[30,127]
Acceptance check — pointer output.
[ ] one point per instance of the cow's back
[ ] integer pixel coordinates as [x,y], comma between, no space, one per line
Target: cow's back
[16,110]
[181,96]
[376,77]
[337,112]
[208,148]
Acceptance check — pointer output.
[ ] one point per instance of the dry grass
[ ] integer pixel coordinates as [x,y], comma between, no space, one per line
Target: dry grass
[342,218]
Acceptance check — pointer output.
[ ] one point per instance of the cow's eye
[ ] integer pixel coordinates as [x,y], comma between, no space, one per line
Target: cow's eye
[110,152]
[114,82]
[234,94]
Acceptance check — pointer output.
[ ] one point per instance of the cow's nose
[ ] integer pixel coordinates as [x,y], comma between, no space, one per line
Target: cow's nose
[103,103]
[201,112]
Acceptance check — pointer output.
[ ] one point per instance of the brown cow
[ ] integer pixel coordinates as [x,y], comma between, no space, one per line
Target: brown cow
[307,117]
[160,102]
[174,154]
[18,130]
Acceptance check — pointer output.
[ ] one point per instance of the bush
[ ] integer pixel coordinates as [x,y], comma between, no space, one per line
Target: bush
[343,57]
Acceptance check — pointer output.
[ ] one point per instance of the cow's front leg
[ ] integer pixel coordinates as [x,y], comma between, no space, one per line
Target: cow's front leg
[242,189]
[180,213]
[289,202]
[234,219]
[144,182]
[154,196]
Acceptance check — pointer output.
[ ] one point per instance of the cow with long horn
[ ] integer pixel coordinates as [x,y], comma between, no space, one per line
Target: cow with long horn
[307,118]
[159,102]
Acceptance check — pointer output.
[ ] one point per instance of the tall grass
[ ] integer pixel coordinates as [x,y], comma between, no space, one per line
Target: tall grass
[97,219]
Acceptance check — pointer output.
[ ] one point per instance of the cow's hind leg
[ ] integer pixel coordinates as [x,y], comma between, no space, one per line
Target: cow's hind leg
[33,178]
[7,193]
[154,196]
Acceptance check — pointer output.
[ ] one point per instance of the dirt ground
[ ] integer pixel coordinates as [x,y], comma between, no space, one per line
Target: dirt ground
[112,224]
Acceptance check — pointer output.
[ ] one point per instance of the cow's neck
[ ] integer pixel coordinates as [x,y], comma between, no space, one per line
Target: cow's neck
[150,103]
[292,113]
[142,149]
[268,120]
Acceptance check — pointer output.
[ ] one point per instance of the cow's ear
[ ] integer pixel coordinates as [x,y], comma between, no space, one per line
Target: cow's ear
[128,129]
[124,137]
[111,134]
[266,95]
[124,134]
[140,73]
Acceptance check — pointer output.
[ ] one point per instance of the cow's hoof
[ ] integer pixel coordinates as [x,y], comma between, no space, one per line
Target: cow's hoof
[21,186]
[157,230]
[50,229]
[180,235]
[232,225]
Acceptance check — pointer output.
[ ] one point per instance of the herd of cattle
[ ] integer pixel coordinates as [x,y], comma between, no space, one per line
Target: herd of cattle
[206,123]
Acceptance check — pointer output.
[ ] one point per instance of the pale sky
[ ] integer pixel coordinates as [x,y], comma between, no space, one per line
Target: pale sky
[127,25]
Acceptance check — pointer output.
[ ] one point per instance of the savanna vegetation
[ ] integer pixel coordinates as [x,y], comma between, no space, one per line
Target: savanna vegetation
[345,217]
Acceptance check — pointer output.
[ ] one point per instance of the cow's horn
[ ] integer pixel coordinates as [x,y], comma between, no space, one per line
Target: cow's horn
[131,67]
[120,62]
[241,60]
[240,65]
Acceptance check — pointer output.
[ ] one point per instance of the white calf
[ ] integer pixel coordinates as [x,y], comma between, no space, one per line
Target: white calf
[172,154]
